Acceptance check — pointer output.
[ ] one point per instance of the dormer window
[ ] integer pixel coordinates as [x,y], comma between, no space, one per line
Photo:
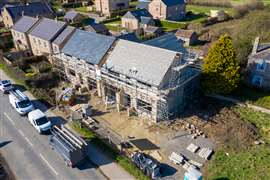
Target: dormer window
[261,65]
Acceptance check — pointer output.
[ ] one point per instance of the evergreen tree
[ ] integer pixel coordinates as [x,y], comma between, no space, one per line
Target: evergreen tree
[221,72]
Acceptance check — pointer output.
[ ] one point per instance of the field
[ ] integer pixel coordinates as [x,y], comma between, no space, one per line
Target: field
[206,9]
[251,162]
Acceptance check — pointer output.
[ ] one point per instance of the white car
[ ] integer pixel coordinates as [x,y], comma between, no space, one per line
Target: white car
[39,120]
[5,86]
[20,102]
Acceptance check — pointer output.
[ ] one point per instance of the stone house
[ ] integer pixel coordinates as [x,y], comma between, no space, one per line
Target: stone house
[137,20]
[43,34]
[258,66]
[73,17]
[97,28]
[188,36]
[20,31]
[12,13]
[128,75]
[168,9]
[106,7]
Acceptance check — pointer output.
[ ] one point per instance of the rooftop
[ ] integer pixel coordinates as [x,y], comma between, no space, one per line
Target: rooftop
[143,4]
[88,46]
[168,41]
[25,23]
[145,63]
[71,14]
[64,34]
[95,27]
[47,29]
[184,33]
[138,14]
[173,2]
[32,9]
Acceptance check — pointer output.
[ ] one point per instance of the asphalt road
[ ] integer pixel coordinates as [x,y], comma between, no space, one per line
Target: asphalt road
[28,154]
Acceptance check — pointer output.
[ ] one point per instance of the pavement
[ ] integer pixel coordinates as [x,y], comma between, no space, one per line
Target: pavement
[29,156]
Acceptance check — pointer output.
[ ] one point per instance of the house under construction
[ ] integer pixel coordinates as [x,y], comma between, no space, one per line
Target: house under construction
[153,82]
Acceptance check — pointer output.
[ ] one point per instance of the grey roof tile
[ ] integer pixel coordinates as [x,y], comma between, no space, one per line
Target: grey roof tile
[63,35]
[150,63]
[24,24]
[173,2]
[88,46]
[47,29]
[71,15]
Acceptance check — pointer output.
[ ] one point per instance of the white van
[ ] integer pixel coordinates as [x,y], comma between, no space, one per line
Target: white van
[39,120]
[20,102]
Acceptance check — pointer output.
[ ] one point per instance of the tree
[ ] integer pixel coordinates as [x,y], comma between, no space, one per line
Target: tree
[221,72]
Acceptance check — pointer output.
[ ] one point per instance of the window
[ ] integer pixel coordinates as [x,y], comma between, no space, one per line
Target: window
[257,80]
[261,65]
[34,40]
[72,72]
[45,44]
[39,42]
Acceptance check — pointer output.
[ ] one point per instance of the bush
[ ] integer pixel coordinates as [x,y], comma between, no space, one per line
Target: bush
[45,80]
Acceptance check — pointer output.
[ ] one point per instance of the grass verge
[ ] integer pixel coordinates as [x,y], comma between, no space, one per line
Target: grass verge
[123,161]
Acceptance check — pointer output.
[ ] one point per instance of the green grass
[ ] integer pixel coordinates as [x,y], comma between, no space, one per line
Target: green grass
[259,119]
[253,96]
[170,26]
[114,25]
[206,9]
[12,74]
[248,164]
[251,163]
[2,30]
[124,162]
[82,9]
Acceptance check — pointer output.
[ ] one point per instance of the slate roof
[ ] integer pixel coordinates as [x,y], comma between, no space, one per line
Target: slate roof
[71,15]
[95,27]
[150,63]
[264,46]
[47,29]
[143,4]
[184,33]
[265,55]
[24,24]
[146,20]
[88,46]
[173,2]
[64,34]
[168,41]
[138,13]
[32,9]
[153,30]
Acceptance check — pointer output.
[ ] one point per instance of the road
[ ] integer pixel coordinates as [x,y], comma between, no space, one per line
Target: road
[28,153]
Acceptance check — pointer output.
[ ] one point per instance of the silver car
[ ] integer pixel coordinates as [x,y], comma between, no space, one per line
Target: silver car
[5,86]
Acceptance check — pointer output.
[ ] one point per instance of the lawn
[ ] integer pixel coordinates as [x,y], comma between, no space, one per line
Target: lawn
[253,96]
[114,25]
[260,120]
[170,26]
[247,164]
[250,163]
[82,9]
[206,9]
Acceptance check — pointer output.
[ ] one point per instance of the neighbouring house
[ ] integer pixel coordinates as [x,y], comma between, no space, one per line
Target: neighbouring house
[129,76]
[97,28]
[137,20]
[62,39]
[11,14]
[190,37]
[143,4]
[106,7]
[258,66]
[168,9]
[20,31]
[43,34]
[82,56]
[73,17]
[153,31]
[68,2]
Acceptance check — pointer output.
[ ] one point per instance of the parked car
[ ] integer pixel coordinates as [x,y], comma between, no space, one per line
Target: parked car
[20,102]
[149,166]
[39,120]
[73,149]
[5,86]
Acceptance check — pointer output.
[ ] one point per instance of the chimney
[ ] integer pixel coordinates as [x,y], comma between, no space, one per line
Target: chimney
[256,45]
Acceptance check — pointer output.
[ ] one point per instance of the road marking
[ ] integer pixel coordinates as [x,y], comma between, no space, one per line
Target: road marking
[21,133]
[29,142]
[7,116]
[55,172]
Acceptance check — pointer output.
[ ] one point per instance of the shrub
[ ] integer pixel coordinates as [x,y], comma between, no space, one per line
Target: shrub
[45,80]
